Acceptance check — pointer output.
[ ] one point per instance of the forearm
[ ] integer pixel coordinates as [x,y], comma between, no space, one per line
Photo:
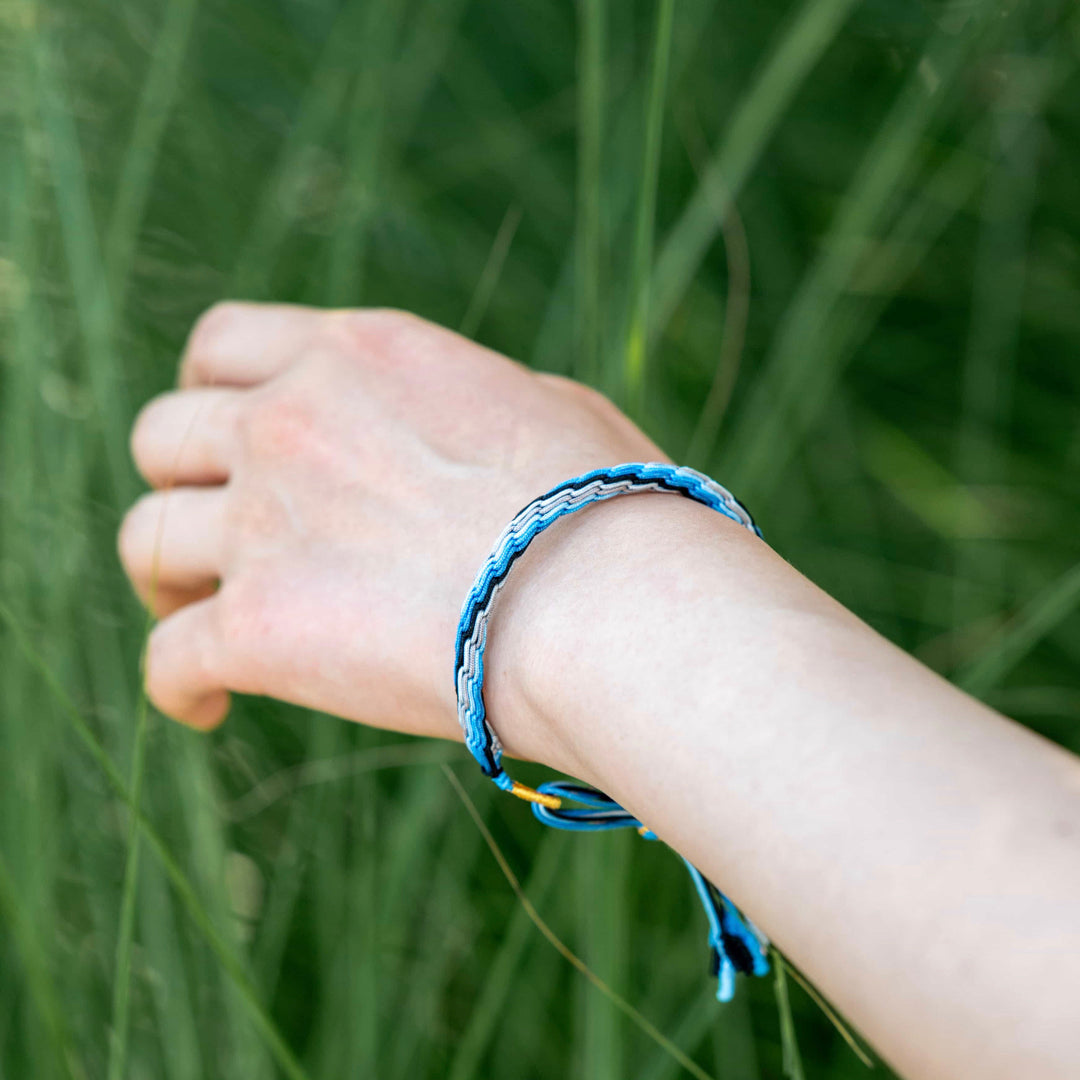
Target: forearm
[914,852]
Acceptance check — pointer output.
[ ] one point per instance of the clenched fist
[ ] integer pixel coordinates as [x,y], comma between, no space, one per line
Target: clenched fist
[328,484]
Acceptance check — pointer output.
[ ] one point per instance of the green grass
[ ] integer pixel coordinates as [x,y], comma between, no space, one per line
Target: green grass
[827,251]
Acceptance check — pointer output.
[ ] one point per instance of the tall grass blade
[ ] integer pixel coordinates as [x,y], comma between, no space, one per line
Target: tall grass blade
[830,1014]
[591,73]
[1039,617]
[282,197]
[487,1008]
[635,351]
[327,770]
[159,93]
[791,1059]
[754,120]
[736,309]
[364,159]
[489,276]
[694,1024]
[93,305]
[261,1020]
[557,943]
[601,879]
[42,992]
[781,406]
[118,1032]
[988,375]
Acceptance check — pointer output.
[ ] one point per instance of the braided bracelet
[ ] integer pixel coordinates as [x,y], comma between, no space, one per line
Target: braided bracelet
[736,945]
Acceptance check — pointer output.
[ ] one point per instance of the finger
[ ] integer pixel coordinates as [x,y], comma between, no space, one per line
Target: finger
[186,437]
[243,344]
[185,664]
[172,539]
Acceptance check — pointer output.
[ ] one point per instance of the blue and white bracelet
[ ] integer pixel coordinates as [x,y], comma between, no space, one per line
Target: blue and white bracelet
[736,944]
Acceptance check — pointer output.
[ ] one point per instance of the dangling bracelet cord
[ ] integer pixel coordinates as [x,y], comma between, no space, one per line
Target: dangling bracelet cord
[736,945]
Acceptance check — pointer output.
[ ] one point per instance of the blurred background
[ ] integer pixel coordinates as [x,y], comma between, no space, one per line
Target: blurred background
[827,251]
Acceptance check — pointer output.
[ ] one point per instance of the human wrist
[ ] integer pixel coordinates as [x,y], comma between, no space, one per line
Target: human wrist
[597,588]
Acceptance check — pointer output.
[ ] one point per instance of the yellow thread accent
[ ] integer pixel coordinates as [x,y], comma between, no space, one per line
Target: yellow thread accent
[643,830]
[523,791]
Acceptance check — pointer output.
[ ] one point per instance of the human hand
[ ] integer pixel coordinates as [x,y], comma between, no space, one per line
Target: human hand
[329,482]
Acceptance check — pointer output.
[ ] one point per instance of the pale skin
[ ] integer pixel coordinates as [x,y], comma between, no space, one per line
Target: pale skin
[330,482]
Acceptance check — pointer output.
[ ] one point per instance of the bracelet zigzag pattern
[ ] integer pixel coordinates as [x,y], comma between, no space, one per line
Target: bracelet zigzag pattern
[736,945]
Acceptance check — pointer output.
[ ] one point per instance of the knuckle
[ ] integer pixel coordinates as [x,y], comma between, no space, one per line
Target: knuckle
[376,319]
[322,366]
[383,330]
[339,329]
[214,320]
[276,423]
[208,330]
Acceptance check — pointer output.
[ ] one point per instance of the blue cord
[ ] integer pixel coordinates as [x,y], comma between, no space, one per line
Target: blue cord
[736,945]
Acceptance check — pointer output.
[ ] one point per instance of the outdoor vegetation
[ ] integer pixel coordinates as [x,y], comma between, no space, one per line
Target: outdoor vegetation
[827,251]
